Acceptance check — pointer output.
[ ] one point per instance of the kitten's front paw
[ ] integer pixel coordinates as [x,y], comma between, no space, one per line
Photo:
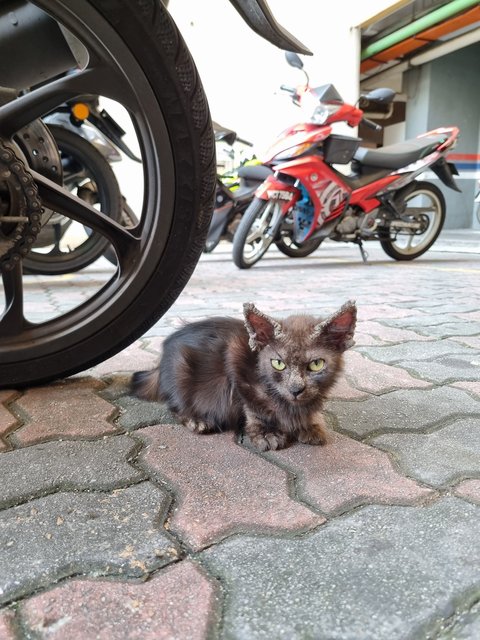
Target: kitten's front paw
[269,441]
[314,434]
[197,426]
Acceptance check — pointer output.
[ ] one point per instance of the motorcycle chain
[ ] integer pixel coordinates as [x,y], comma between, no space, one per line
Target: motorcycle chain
[21,224]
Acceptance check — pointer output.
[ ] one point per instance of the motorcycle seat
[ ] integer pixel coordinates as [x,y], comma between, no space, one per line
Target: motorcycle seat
[395,156]
[252,176]
[257,172]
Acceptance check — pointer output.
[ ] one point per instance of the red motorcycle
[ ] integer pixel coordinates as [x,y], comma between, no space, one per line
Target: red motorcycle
[307,199]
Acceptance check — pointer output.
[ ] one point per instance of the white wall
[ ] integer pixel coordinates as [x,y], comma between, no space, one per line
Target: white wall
[242,73]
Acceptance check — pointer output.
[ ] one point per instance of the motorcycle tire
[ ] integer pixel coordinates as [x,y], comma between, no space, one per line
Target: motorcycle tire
[251,242]
[138,58]
[85,165]
[401,246]
[292,250]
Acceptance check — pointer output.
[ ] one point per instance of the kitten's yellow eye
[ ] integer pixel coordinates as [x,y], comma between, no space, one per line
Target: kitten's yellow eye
[316,365]
[278,365]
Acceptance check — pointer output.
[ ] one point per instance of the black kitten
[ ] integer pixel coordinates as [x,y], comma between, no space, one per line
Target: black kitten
[270,376]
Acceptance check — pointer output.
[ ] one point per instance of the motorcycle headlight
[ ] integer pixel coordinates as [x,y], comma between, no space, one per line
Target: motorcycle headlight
[323,112]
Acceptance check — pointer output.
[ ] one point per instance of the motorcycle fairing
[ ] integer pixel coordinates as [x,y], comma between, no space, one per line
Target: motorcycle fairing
[273,188]
[301,133]
[328,193]
[260,19]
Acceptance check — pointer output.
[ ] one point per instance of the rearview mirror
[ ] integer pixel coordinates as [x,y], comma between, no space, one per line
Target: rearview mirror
[293,60]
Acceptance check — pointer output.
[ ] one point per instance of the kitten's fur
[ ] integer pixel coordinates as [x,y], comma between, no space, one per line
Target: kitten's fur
[218,373]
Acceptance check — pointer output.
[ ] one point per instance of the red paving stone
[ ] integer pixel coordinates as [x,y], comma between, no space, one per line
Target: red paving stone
[342,390]
[220,486]
[383,311]
[346,473]
[7,419]
[469,489]
[133,358]
[376,377]
[7,625]
[388,334]
[177,603]
[473,387]
[69,409]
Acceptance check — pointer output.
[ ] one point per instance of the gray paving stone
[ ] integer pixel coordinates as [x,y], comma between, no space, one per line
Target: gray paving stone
[138,413]
[135,413]
[69,465]
[448,369]
[404,410]
[466,626]
[380,573]
[438,458]
[417,351]
[441,326]
[64,534]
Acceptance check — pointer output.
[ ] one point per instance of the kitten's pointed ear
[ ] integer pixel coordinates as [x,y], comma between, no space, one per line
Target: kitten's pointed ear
[260,327]
[337,330]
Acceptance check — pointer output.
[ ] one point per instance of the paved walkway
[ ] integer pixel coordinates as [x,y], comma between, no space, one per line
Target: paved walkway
[117,523]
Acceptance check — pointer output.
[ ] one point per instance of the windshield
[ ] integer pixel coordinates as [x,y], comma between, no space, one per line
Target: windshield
[327,94]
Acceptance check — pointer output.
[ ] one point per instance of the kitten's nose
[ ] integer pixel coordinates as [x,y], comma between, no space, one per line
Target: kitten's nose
[298,390]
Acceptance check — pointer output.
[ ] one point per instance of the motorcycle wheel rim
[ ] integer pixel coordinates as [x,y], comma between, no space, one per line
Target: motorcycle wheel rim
[421,205]
[112,72]
[258,241]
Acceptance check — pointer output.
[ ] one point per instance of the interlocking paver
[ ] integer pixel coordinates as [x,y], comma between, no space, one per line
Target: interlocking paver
[64,534]
[385,333]
[138,413]
[469,489]
[174,604]
[70,465]
[449,369]
[375,377]
[472,387]
[132,358]
[7,419]
[438,458]
[404,410]
[406,352]
[383,312]
[470,341]
[109,535]
[7,629]
[438,326]
[67,409]
[380,573]
[466,626]
[346,473]
[228,489]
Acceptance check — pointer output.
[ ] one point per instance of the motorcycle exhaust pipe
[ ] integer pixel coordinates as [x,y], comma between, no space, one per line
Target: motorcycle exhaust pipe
[33,47]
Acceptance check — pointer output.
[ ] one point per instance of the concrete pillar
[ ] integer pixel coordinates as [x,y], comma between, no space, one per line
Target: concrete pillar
[446,92]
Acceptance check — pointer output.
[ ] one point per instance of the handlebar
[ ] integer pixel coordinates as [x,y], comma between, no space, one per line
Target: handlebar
[293,93]
[372,125]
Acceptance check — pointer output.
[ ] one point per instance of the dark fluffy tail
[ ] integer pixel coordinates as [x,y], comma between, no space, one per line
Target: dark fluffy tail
[146,384]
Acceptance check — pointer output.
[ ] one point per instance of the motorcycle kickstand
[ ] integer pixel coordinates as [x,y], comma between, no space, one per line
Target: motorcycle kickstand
[362,251]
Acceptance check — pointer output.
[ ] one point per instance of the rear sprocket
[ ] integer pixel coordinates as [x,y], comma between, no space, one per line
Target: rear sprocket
[20,208]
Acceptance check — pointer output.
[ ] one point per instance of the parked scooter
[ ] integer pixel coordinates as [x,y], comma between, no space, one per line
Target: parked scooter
[307,200]
[88,140]
[232,197]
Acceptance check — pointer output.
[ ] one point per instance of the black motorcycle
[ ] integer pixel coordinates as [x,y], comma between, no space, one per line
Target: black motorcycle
[233,193]
[89,141]
[132,53]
